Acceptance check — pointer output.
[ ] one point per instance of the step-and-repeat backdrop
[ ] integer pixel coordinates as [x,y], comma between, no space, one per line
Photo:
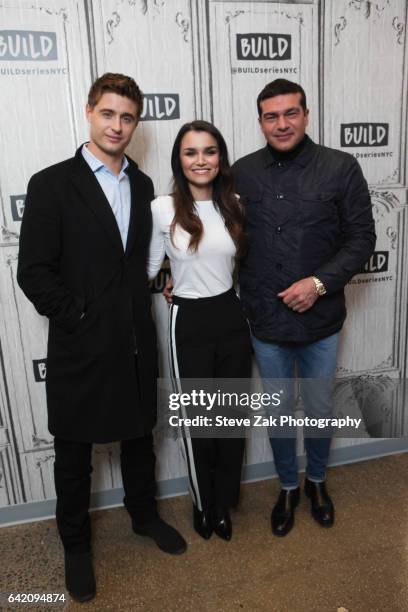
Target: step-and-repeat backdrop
[197,59]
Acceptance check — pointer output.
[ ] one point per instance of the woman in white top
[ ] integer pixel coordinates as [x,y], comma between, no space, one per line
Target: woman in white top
[200,228]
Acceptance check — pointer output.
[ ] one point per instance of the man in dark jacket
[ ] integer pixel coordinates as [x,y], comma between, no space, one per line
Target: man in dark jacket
[310,228]
[82,262]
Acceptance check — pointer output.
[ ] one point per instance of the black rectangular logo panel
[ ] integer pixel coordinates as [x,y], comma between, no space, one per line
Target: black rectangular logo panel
[40,369]
[17,206]
[264,46]
[377,263]
[160,107]
[364,134]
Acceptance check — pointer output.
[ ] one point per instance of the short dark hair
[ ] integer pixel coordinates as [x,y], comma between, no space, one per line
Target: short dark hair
[120,84]
[280,87]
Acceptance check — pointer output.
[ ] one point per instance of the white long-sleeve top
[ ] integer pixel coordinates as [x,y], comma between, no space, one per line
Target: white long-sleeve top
[203,273]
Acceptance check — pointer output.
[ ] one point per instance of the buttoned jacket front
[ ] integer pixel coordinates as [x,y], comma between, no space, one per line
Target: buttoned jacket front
[310,215]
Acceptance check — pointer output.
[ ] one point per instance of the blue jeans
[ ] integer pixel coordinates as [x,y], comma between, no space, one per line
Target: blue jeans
[314,360]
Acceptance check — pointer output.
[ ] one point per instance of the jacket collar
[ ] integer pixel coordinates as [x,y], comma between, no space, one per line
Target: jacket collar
[93,196]
[96,163]
[137,191]
[302,159]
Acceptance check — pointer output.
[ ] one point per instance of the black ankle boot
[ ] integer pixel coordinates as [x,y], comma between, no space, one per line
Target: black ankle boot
[79,576]
[321,505]
[283,513]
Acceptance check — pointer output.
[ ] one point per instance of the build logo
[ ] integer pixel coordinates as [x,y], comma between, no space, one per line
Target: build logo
[377,263]
[17,206]
[25,45]
[364,134]
[40,369]
[160,107]
[264,46]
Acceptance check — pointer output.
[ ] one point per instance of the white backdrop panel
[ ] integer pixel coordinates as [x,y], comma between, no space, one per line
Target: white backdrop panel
[44,77]
[38,471]
[365,84]
[24,339]
[8,476]
[252,43]
[153,43]
[376,299]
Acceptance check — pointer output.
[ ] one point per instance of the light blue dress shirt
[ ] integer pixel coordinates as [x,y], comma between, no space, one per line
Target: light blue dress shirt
[115,188]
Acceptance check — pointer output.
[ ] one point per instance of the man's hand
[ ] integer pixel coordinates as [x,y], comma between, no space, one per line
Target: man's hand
[167,291]
[301,295]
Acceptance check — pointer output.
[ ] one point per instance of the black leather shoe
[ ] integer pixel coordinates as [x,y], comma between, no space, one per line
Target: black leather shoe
[222,525]
[283,513]
[79,576]
[202,522]
[166,537]
[321,505]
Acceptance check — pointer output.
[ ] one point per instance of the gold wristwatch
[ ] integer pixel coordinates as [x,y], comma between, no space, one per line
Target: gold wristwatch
[320,288]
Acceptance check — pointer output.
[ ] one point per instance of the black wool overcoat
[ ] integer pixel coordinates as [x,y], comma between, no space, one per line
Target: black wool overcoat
[73,268]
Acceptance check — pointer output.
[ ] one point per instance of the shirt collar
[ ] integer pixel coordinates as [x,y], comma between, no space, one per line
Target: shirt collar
[96,164]
[303,157]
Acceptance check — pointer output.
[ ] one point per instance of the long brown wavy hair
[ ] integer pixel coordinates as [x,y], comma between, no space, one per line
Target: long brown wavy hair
[224,197]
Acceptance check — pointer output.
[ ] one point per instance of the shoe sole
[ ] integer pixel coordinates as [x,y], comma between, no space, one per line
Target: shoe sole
[223,536]
[282,534]
[82,599]
[325,525]
[177,551]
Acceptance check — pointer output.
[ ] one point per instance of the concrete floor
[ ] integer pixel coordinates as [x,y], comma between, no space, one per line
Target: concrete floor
[360,565]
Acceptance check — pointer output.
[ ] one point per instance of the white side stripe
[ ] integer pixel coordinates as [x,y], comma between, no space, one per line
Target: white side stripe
[185,439]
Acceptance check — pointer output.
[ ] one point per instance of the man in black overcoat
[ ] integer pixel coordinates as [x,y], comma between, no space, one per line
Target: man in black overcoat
[82,263]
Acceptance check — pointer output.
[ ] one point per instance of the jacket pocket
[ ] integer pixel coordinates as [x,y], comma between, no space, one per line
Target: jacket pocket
[318,196]
[317,207]
[86,339]
[252,206]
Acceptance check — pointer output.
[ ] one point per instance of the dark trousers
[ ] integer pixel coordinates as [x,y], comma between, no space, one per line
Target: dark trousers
[209,338]
[72,472]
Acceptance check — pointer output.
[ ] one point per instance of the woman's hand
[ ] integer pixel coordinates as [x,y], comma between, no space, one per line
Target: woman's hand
[167,291]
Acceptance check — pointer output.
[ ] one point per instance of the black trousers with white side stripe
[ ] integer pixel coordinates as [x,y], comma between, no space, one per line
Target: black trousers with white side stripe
[209,338]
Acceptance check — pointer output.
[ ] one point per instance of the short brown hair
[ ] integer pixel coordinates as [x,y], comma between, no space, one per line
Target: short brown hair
[116,83]
[280,87]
